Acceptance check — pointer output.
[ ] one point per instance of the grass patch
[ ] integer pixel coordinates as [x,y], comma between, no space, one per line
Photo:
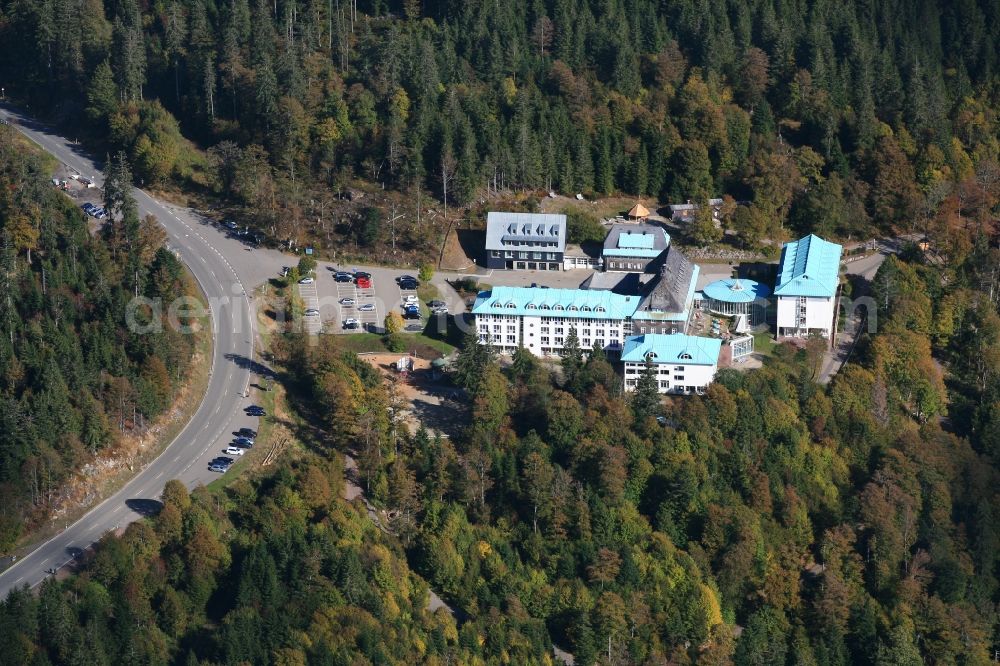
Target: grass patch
[421,344]
[428,292]
[763,343]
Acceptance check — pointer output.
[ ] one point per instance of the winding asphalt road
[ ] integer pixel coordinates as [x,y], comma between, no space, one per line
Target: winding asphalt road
[220,413]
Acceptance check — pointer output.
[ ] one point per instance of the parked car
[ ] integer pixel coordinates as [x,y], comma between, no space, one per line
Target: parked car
[343,277]
[362,274]
[306,280]
[87,207]
[229,224]
[408,286]
[245,442]
[436,304]
[351,323]
[367,307]
[246,432]
[411,312]
[411,299]
[405,278]
[312,312]
[99,213]
[221,469]
[364,283]
[234,451]
[254,410]
[347,301]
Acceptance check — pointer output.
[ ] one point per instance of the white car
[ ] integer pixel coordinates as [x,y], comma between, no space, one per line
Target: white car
[367,307]
[234,451]
[347,301]
[312,312]
[306,280]
[351,322]
[410,298]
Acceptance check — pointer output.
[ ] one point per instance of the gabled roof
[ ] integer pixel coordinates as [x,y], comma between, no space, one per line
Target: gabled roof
[673,349]
[573,303]
[672,292]
[507,230]
[636,240]
[678,207]
[809,266]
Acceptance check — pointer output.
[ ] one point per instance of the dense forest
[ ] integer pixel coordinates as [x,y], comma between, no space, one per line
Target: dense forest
[772,521]
[834,117]
[74,376]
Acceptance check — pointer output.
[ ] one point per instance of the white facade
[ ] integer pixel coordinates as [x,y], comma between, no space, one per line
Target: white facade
[798,316]
[546,335]
[673,377]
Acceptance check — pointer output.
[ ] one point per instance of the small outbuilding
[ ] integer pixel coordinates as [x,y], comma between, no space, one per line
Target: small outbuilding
[638,212]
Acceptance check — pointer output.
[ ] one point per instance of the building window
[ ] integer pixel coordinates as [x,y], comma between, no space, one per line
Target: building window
[678,378]
[496,253]
[512,329]
[511,339]
[544,340]
[559,341]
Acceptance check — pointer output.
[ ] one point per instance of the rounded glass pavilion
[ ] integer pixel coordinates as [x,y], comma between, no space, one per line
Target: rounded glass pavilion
[734,296]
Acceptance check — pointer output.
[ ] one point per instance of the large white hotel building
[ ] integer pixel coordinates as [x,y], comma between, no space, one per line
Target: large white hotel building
[540,319]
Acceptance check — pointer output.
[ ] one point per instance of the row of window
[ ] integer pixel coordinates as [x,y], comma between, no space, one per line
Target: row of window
[545,306]
[507,254]
[660,370]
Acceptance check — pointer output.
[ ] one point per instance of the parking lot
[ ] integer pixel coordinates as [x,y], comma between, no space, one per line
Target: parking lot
[310,301]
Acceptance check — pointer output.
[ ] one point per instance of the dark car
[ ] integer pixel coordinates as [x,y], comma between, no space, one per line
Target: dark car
[243,442]
[406,284]
[343,277]
[362,274]
[246,432]
[411,312]
[254,410]
[406,278]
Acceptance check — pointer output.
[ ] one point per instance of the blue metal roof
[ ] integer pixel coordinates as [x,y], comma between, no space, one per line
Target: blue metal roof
[736,291]
[637,241]
[574,303]
[809,266]
[675,348]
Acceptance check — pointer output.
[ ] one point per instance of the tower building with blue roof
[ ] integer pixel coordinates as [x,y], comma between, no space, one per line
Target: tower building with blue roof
[806,287]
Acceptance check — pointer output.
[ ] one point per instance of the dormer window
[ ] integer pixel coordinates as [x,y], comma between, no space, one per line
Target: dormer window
[540,229]
[529,306]
[650,356]
[511,305]
[599,308]
[558,307]
[543,306]
[554,230]
[496,304]
[585,308]
[573,308]
[684,356]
